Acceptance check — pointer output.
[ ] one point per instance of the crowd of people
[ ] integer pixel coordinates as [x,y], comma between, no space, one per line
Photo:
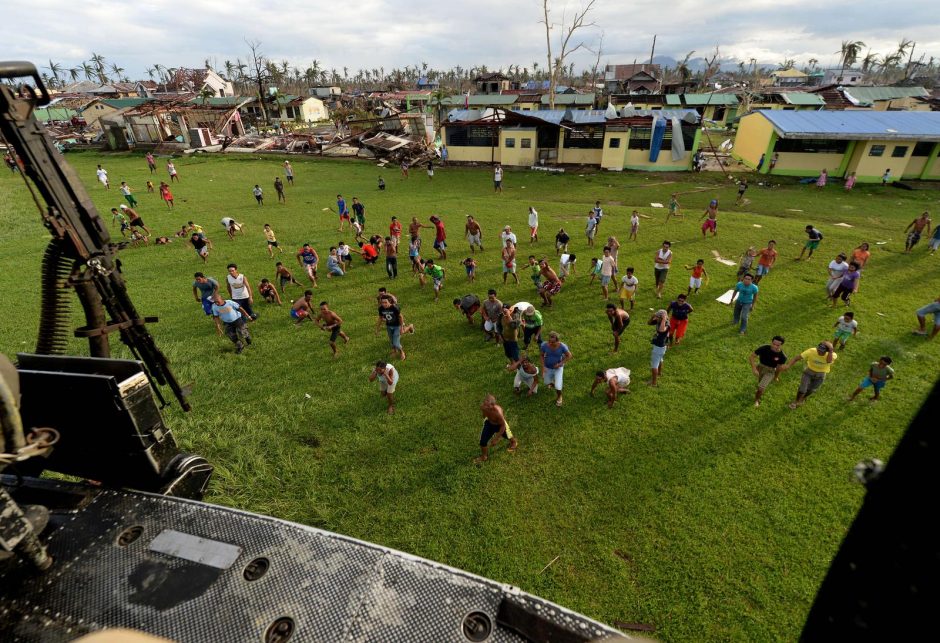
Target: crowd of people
[518,326]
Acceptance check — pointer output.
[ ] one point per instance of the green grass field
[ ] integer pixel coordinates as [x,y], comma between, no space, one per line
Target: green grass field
[683,507]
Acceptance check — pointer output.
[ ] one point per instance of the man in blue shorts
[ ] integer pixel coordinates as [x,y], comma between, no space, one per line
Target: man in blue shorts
[933,308]
[204,290]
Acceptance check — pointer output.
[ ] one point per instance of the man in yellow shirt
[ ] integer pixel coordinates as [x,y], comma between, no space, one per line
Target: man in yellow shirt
[818,362]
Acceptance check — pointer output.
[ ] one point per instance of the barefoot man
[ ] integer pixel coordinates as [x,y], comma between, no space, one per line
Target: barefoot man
[387,375]
[618,381]
[495,428]
[551,285]
[328,320]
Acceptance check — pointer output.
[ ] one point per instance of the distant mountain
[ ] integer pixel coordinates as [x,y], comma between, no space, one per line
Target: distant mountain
[697,63]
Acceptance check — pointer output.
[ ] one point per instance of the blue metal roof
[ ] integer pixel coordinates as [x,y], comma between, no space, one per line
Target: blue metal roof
[855,124]
[688,115]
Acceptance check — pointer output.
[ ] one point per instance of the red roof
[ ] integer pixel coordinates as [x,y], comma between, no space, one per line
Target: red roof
[626,72]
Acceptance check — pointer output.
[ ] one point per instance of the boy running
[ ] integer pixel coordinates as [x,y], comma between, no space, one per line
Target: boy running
[307,258]
[635,224]
[846,326]
[126,191]
[628,286]
[771,360]
[766,259]
[259,194]
[679,311]
[436,273]
[271,239]
[814,236]
[698,272]
[284,276]
[878,375]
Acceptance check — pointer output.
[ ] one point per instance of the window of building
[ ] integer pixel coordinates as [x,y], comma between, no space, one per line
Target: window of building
[510,142]
[639,138]
[591,138]
[525,143]
[899,151]
[876,150]
[924,148]
[811,146]
[471,136]
[614,142]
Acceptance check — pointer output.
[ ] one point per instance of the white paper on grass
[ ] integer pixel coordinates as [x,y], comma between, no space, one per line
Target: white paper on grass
[656,205]
[843,225]
[727,262]
[757,225]
[726,298]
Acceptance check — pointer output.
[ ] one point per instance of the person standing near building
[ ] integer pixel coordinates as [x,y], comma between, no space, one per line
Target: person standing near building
[151,162]
[279,188]
[171,170]
[819,362]
[498,178]
[230,318]
[240,290]
[554,357]
[822,179]
[635,224]
[662,262]
[770,361]
[533,225]
[744,299]
[387,376]
[289,172]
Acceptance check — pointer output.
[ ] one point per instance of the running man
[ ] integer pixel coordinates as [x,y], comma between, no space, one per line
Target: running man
[531,326]
[204,291]
[259,194]
[819,361]
[814,236]
[771,360]
[619,320]
[267,290]
[271,239]
[390,315]
[436,273]
[765,260]
[914,229]
[660,341]
[440,236]
[495,429]
[698,272]
[679,311]
[302,309]
[742,188]
[201,245]
[342,211]
[307,258]
[878,375]
[492,312]
[933,308]
[387,375]
[561,241]
[329,320]
[126,191]
[711,223]
[102,175]
[135,219]
[674,210]
[468,305]
[232,318]
[239,289]
[359,211]
[474,233]
[284,276]
[846,327]
[617,383]
[745,291]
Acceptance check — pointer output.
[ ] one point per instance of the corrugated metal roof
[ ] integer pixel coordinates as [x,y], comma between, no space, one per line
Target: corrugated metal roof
[121,103]
[553,116]
[478,100]
[681,114]
[709,99]
[855,124]
[871,94]
[570,99]
[464,115]
[673,99]
[587,116]
[788,73]
[802,98]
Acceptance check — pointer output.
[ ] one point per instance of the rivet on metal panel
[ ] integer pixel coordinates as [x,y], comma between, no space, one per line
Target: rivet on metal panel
[280,630]
[256,569]
[477,626]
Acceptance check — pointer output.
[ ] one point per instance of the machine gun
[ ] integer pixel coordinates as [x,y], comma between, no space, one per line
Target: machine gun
[123,441]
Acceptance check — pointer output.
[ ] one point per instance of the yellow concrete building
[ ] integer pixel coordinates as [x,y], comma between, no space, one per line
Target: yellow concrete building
[868,143]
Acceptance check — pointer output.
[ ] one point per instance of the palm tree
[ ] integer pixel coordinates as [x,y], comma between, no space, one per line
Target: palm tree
[117,71]
[870,61]
[99,63]
[205,94]
[74,72]
[813,63]
[89,70]
[229,69]
[55,69]
[849,52]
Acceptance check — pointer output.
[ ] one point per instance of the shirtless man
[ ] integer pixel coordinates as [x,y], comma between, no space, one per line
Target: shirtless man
[916,228]
[551,285]
[712,222]
[495,428]
[414,229]
[328,320]
[474,234]
[301,309]
[618,381]
[619,320]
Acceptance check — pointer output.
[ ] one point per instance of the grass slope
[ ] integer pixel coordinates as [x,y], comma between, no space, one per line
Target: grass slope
[683,507]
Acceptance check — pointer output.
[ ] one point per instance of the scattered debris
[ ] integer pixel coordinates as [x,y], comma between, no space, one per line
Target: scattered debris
[550,563]
[721,259]
[880,243]
[793,210]
[881,314]
[635,627]
[757,225]
[656,205]
[725,298]
[844,225]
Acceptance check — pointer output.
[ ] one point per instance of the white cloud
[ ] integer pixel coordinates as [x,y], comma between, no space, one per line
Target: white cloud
[384,33]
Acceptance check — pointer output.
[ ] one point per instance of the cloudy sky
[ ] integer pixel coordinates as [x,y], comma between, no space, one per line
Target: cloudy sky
[394,33]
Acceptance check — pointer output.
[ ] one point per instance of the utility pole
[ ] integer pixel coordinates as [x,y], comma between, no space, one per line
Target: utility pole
[653,50]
